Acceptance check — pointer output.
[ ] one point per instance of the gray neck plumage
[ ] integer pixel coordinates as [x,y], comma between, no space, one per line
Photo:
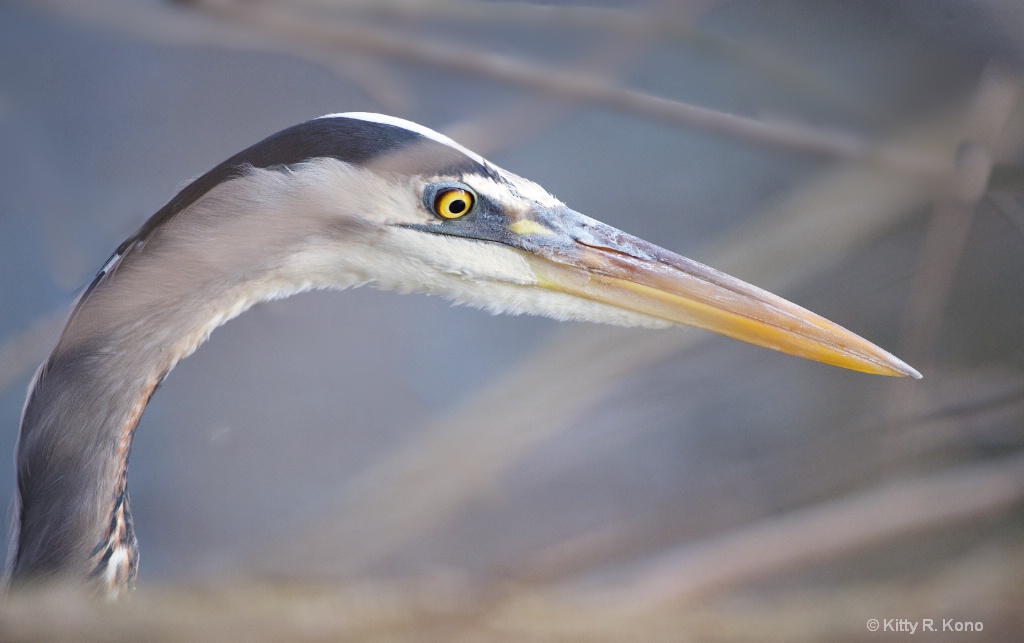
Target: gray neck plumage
[152,305]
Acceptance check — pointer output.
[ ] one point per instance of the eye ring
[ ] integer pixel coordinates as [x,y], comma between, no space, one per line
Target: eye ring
[450,200]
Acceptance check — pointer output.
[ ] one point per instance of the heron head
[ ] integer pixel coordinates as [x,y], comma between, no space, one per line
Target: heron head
[447,221]
[364,198]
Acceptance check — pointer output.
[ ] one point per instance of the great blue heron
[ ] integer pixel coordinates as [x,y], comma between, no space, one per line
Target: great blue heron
[339,201]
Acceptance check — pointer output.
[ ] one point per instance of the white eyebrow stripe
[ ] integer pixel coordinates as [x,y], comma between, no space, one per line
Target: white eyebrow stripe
[384,119]
[522,187]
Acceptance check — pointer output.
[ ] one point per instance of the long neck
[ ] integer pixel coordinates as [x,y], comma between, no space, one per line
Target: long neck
[154,306]
[72,461]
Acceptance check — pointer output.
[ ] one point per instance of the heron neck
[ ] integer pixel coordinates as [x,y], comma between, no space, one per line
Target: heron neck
[154,307]
[81,416]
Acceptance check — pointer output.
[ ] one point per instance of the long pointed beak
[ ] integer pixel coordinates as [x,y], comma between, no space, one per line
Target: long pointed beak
[572,253]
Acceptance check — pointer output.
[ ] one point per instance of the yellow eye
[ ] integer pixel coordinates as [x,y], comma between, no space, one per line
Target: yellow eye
[453,203]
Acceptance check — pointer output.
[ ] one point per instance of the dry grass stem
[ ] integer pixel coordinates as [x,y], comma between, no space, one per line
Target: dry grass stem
[791,541]
[585,88]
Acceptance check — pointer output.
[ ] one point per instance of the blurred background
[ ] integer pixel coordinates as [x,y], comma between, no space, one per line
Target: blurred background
[369,466]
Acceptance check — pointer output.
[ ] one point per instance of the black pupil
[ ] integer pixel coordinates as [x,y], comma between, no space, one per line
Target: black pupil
[457,206]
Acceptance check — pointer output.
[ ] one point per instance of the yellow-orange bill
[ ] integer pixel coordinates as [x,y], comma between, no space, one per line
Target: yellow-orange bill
[609,266]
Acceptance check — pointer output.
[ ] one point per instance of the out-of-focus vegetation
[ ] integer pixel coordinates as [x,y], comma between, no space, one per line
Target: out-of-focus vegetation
[354,473]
